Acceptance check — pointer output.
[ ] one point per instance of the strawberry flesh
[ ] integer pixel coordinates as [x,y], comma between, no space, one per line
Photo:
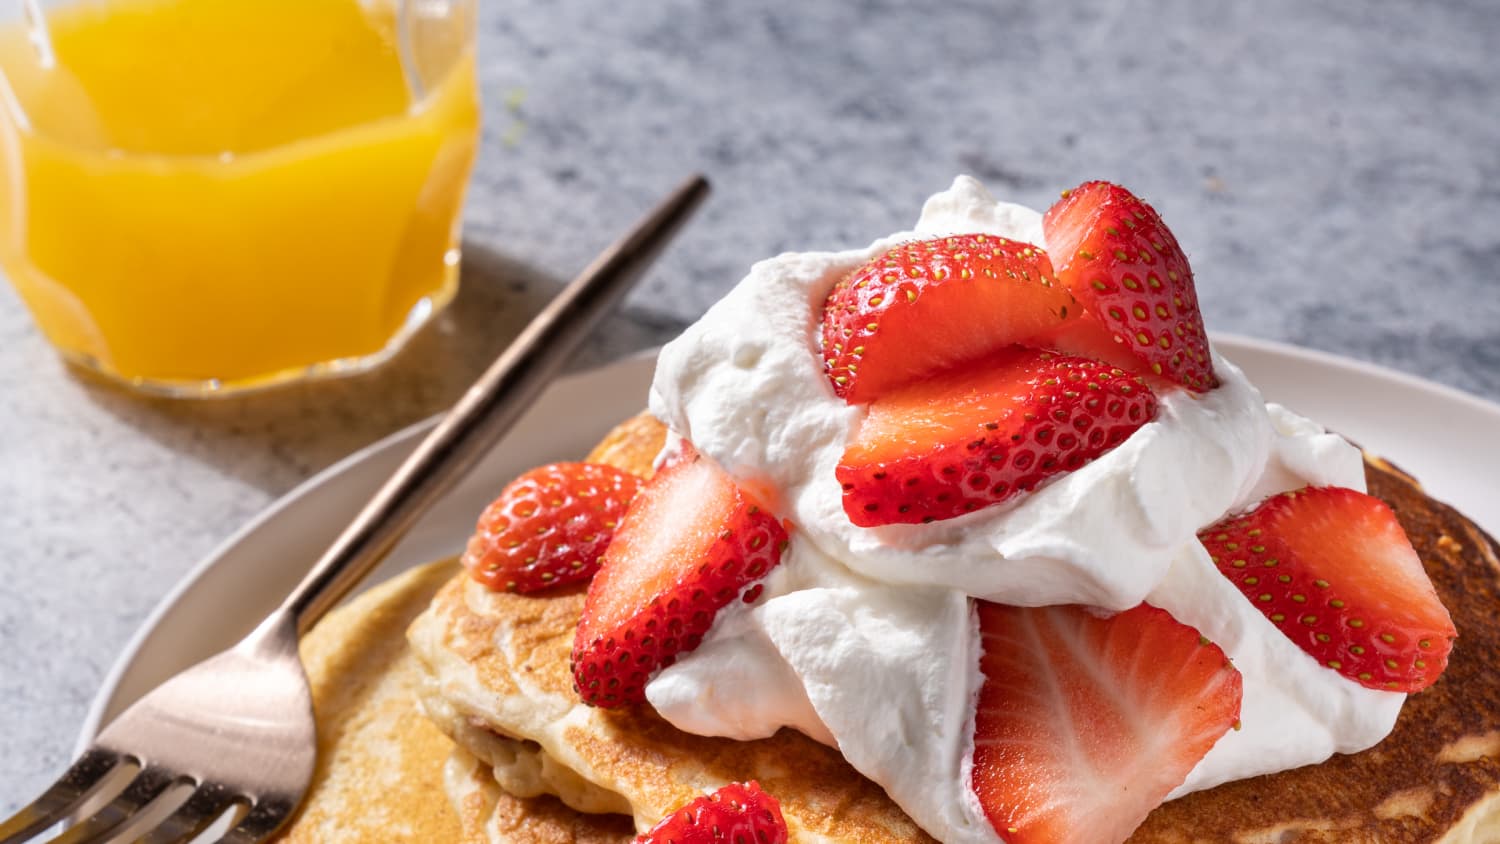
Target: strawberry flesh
[549,527]
[1334,571]
[978,436]
[1088,338]
[932,304]
[1085,723]
[691,542]
[738,812]
[1115,254]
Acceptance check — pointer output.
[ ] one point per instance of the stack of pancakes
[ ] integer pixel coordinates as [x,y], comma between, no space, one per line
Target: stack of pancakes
[528,762]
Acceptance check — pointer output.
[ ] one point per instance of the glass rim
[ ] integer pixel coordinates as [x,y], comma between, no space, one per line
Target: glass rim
[420,97]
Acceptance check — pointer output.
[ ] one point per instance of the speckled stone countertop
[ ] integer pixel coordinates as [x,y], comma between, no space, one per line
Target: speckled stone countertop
[1333,172]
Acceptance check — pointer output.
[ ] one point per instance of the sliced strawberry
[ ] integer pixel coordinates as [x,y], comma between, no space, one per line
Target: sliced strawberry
[691,543]
[737,813]
[967,439]
[1334,571]
[928,305]
[1117,256]
[1086,722]
[549,527]
[1086,337]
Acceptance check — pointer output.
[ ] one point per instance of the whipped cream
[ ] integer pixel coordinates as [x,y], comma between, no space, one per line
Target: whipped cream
[866,638]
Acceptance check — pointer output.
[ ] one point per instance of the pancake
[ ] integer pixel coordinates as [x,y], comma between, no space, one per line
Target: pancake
[379,775]
[487,812]
[503,663]
[493,652]
[500,682]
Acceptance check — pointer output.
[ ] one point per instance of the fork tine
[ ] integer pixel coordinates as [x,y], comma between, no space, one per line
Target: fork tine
[147,786]
[263,819]
[192,817]
[62,798]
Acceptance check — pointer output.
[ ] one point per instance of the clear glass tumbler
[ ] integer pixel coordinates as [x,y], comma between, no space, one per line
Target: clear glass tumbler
[203,196]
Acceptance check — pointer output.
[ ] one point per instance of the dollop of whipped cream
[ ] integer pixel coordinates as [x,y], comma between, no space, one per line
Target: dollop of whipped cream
[866,639]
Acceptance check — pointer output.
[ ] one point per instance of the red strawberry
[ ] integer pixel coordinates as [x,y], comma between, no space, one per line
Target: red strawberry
[691,543]
[1334,571]
[1087,337]
[1086,722]
[549,527]
[928,305]
[975,437]
[1117,256]
[737,813]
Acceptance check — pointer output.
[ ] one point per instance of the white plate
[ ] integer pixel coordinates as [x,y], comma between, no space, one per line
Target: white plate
[1441,435]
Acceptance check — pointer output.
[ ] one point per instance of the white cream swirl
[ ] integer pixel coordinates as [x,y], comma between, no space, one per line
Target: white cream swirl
[866,638]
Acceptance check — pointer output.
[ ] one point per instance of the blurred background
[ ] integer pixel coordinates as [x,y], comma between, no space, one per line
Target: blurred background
[1333,171]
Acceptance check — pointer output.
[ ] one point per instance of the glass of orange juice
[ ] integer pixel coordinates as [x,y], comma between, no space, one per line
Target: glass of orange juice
[204,196]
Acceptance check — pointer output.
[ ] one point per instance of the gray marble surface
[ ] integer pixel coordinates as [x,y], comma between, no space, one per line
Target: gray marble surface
[1332,169]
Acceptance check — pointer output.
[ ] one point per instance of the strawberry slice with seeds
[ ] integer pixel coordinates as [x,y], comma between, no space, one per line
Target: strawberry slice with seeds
[928,305]
[1118,257]
[1085,722]
[1087,337]
[1334,571]
[980,435]
[691,542]
[549,527]
[738,812]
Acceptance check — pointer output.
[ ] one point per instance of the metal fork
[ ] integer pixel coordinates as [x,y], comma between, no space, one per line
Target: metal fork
[236,732]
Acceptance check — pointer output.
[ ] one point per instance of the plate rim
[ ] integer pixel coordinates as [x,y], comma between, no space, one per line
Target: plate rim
[1373,370]
[1226,343]
[111,682]
[109,685]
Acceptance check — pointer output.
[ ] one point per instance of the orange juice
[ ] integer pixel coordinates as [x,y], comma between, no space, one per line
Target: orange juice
[204,194]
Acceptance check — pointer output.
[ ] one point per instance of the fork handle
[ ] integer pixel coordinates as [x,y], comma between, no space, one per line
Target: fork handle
[489,408]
